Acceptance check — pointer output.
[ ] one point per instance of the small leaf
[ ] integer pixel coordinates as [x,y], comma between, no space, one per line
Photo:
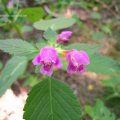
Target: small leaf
[50,35]
[17,47]
[13,69]
[106,29]
[27,28]
[31,81]
[98,36]
[89,110]
[51,100]
[95,15]
[54,24]
[41,43]
[32,14]
[37,69]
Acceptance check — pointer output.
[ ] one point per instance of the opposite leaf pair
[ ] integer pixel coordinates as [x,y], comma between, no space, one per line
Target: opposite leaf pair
[48,57]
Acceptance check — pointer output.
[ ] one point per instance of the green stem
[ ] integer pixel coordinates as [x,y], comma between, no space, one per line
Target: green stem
[12,22]
[6,9]
[18,31]
[111,96]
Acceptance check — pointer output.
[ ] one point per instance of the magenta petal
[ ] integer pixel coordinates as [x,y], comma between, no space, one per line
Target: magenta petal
[48,54]
[58,63]
[71,69]
[65,34]
[84,58]
[36,60]
[47,57]
[46,70]
[77,61]
[81,69]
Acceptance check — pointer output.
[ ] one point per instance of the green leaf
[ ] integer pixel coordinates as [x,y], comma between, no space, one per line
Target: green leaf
[32,80]
[106,29]
[51,100]
[114,104]
[33,14]
[54,24]
[102,64]
[17,47]
[50,35]
[89,110]
[26,28]
[37,69]
[89,48]
[115,81]
[13,69]
[41,43]
[95,15]
[98,36]
[99,111]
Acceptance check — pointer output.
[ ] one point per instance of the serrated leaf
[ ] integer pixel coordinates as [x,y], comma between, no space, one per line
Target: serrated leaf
[33,14]
[50,35]
[102,64]
[54,24]
[90,49]
[13,69]
[17,47]
[51,100]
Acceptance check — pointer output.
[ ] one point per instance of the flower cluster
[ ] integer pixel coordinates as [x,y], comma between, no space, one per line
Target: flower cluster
[48,58]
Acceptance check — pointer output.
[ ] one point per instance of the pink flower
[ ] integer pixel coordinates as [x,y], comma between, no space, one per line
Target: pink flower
[48,58]
[10,4]
[63,37]
[77,61]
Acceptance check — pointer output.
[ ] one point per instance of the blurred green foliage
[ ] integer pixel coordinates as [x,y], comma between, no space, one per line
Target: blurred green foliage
[99,111]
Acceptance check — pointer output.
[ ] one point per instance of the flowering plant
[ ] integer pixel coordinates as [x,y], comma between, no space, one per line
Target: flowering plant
[48,57]
[50,99]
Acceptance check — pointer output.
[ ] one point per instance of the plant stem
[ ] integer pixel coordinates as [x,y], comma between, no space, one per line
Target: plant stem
[18,31]
[111,96]
[11,24]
